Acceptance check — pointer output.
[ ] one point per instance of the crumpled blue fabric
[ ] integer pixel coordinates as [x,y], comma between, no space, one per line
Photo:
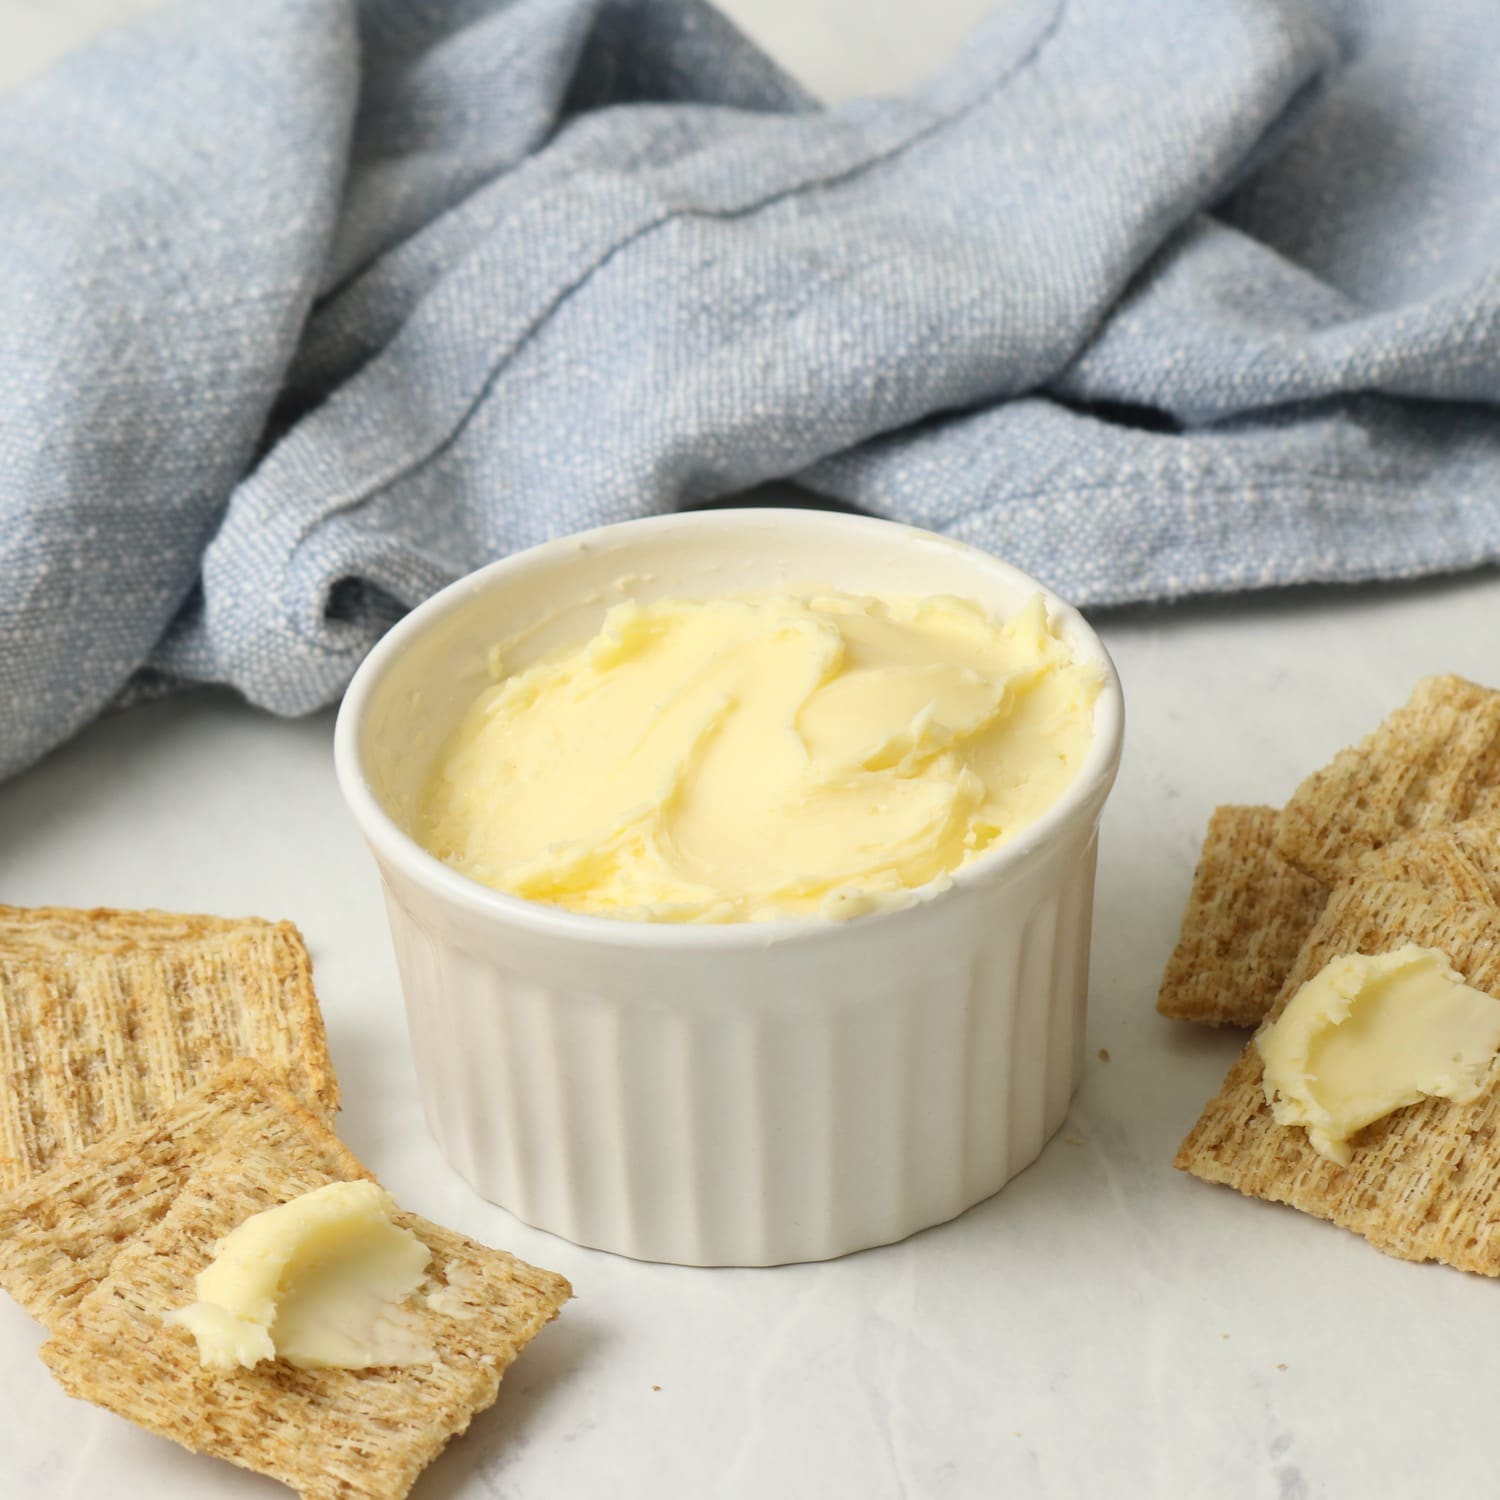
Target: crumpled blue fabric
[309,306]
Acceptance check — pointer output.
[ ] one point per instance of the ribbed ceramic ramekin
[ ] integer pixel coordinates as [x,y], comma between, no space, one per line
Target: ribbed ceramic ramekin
[742,1094]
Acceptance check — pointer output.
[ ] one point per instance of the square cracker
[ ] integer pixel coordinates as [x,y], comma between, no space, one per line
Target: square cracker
[60,1231]
[1434,762]
[107,1017]
[1424,1182]
[329,1434]
[1246,917]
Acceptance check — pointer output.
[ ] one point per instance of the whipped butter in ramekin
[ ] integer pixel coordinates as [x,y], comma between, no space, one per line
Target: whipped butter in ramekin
[717,1090]
[761,756]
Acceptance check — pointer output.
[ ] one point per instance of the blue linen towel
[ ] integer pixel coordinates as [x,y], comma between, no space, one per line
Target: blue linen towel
[309,306]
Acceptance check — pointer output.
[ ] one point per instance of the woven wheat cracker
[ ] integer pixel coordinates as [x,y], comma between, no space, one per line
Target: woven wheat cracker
[1463,861]
[60,1231]
[108,1017]
[1424,1182]
[1434,762]
[330,1434]
[1246,917]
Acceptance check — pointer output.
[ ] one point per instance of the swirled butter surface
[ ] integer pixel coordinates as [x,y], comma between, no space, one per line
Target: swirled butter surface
[753,757]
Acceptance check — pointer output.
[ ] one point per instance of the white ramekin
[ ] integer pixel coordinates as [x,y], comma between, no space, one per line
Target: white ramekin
[737,1094]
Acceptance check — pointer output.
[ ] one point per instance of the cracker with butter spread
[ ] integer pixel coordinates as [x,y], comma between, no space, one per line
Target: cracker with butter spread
[1247,915]
[60,1231]
[331,1434]
[1424,1182]
[1434,762]
[109,1017]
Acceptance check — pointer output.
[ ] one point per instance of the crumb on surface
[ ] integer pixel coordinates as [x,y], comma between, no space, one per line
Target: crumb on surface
[1104,1054]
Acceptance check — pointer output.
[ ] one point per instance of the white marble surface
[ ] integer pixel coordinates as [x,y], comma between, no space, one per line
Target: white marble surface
[1105,1327]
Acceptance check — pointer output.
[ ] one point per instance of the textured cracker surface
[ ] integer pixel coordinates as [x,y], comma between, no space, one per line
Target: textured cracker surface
[1424,1182]
[1434,762]
[60,1231]
[1463,861]
[108,1017]
[1246,917]
[330,1434]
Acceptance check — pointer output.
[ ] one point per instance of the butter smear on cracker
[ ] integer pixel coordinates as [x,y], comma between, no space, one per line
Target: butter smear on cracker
[1367,1035]
[318,1282]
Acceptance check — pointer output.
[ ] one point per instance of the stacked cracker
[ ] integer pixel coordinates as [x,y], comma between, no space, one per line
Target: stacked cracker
[1396,841]
[163,1078]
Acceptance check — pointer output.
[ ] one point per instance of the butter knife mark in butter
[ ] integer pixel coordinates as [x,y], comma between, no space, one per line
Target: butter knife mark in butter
[318,1282]
[760,756]
[1367,1035]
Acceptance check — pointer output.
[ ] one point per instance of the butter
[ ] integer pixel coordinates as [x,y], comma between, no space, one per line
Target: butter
[1368,1035]
[318,1282]
[761,756]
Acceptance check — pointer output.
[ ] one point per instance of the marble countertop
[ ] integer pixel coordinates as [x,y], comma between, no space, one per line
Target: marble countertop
[1105,1326]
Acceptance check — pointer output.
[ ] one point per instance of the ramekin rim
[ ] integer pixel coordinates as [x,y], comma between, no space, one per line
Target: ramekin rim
[392,844]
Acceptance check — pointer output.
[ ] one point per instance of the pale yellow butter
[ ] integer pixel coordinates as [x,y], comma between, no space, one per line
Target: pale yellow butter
[745,758]
[319,1282]
[1367,1035]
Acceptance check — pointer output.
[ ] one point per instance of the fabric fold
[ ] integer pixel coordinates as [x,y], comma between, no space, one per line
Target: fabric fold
[358,296]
